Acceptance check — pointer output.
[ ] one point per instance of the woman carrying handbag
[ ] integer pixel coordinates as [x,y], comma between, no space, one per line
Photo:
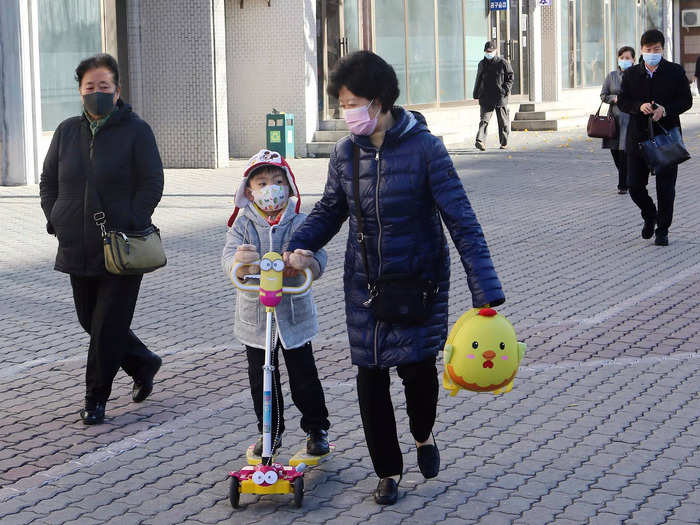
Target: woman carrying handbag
[103,164]
[609,94]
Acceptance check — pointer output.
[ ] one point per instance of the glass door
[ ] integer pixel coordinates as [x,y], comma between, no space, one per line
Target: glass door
[507,32]
[338,35]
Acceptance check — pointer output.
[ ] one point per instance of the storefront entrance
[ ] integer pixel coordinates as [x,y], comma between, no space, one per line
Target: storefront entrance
[435,46]
[338,34]
[509,31]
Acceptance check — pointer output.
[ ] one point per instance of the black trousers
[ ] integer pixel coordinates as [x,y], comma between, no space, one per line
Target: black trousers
[307,392]
[421,389]
[638,178]
[105,307]
[620,158]
[502,116]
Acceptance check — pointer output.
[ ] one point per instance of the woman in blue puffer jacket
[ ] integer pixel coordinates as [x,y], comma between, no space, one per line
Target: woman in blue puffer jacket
[407,183]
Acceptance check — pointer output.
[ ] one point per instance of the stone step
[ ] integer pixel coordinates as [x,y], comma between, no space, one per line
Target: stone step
[329,136]
[531,115]
[337,124]
[319,149]
[534,125]
[527,107]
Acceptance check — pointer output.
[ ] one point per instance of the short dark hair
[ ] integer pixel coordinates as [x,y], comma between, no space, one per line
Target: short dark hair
[99,60]
[624,49]
[652,36]
[266,168]
[366,75]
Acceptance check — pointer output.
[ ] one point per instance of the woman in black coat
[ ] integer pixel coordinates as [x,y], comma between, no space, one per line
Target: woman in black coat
[104,160]
[406,184]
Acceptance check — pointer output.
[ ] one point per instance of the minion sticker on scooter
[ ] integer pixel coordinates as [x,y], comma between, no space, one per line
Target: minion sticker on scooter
[271,268]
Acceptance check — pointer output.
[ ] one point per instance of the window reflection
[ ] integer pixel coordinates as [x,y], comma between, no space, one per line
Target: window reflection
[69,31]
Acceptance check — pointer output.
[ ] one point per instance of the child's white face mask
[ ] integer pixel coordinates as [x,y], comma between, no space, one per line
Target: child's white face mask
[271,198]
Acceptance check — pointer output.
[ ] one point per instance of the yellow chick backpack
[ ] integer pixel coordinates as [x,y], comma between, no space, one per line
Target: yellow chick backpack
[482,353]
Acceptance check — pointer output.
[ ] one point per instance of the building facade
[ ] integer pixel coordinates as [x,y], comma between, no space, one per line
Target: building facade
[204,73]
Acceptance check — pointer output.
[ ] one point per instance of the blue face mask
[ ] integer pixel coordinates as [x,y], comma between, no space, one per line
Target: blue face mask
[489,55]
[652,59]
[624,63]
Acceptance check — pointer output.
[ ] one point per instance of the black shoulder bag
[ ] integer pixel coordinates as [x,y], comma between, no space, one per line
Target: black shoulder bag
[394,298]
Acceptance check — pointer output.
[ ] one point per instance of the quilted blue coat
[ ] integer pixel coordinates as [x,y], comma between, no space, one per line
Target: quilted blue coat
[406,186]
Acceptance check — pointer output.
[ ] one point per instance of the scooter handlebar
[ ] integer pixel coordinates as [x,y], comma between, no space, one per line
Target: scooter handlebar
[303,287]
[295,290]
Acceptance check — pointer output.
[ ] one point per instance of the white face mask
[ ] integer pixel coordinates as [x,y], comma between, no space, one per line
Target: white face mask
[271,198]
[489,55]
[624,63]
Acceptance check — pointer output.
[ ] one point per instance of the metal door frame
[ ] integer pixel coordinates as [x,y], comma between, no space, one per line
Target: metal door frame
[495,18]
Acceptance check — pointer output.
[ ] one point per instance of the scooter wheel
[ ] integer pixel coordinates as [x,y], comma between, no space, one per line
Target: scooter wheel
[234,493]
[298,492]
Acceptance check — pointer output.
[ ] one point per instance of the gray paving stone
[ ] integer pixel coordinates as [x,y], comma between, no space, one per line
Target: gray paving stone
[647,516]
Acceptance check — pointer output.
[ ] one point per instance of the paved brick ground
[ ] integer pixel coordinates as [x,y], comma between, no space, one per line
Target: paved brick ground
[601,427]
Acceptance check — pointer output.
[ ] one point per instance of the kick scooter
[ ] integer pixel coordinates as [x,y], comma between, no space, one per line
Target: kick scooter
[267,476]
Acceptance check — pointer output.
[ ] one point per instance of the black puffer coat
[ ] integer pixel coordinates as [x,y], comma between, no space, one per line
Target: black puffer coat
[405,188]
[125,169]
[494,81]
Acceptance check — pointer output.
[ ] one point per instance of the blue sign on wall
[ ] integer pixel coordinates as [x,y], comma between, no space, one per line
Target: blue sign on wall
[498,5]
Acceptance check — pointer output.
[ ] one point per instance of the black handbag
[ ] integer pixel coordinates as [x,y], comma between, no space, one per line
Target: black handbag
[393,298]
[664,150]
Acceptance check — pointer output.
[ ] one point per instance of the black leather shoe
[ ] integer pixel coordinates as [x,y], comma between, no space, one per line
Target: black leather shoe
[648,229]
[622,191]
[317,443]
[387,492]
[143,387]
[661,239]
[257,449]
[479,145]
[93,413]
[429,461]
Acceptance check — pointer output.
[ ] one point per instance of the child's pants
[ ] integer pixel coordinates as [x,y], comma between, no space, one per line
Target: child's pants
[307,393]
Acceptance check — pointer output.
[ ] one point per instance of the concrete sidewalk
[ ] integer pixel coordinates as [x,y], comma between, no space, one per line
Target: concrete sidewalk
[601,426]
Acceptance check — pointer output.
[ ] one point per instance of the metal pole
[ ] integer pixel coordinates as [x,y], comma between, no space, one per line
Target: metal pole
[267,390]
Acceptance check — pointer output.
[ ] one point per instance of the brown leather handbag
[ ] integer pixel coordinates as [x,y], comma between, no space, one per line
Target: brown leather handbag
[602,127]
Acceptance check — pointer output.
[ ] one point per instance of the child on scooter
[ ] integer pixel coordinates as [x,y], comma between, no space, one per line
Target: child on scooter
[267,220]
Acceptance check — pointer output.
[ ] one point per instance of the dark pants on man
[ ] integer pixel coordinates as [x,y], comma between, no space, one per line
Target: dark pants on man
[638,178]
[307,392]
[421,388]
[503,124]
[105,307]
[620,158]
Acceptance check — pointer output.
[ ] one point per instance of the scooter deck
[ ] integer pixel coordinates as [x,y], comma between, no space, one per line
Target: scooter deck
[252,458]
[308,459]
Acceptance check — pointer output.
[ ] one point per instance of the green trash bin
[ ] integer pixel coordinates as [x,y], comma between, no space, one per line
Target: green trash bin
[280,133]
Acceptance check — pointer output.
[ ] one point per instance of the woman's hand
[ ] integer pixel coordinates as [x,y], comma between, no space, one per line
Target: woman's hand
[299,259]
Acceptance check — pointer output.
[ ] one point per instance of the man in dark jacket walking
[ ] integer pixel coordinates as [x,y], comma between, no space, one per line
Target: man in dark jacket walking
[658,90]
[494,80]
[105,160]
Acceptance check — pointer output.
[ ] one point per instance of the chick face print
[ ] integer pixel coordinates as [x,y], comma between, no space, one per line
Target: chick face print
[271,268]
[482,353]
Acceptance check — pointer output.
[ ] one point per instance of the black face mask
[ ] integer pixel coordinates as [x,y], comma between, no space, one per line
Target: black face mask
[98,103]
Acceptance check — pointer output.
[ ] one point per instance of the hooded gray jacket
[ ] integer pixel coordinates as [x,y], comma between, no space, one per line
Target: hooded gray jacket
[295,317]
